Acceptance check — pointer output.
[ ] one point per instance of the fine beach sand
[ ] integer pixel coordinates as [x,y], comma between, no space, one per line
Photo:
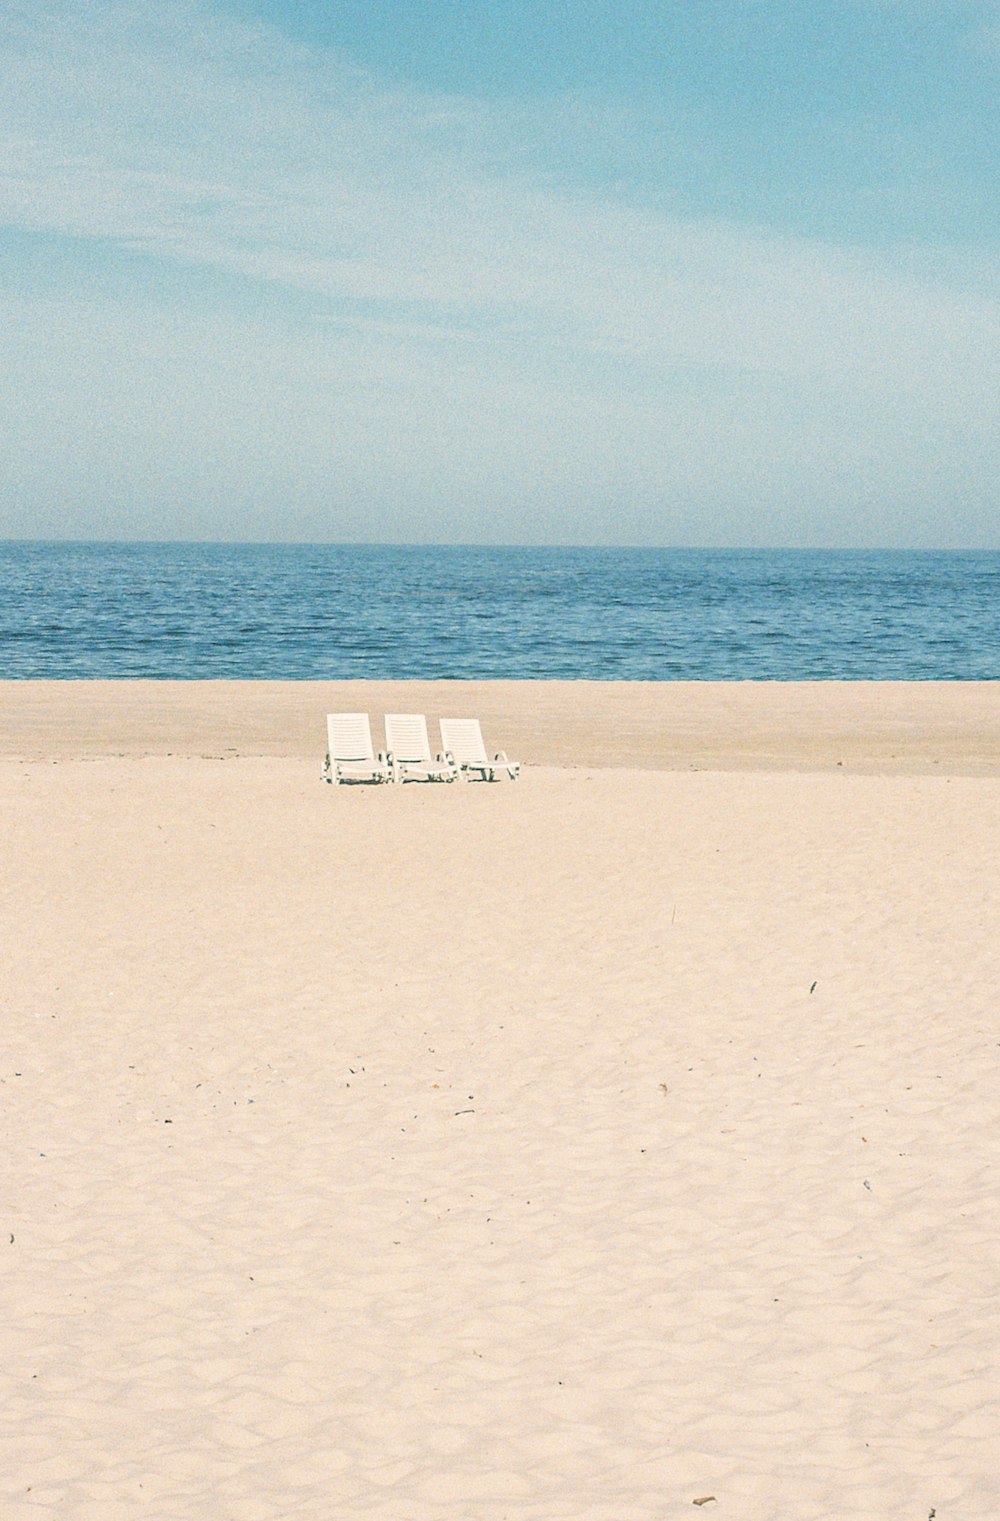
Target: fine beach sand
[568,1150]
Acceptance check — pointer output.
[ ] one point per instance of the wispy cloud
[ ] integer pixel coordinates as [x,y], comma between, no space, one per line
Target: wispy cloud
[449,288]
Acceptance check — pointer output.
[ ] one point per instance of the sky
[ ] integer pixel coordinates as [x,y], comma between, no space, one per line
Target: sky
[665,272]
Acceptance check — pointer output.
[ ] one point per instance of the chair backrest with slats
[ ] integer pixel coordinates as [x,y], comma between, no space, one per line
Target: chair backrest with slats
[349,736]
[406,736]
[463,738]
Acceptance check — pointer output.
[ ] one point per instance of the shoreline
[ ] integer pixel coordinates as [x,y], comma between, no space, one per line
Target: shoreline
[880,728]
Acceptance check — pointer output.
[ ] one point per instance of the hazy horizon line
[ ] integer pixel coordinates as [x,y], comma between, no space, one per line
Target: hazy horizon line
[153,543]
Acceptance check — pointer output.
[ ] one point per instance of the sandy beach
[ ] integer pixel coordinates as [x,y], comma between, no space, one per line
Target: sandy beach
[574,1149]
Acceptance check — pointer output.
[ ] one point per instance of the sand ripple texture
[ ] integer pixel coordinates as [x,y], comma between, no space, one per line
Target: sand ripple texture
[566,1151]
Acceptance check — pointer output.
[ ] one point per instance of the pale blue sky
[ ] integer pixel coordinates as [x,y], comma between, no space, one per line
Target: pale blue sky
[703,273]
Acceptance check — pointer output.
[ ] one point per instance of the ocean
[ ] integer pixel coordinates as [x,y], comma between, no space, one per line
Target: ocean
[325,611]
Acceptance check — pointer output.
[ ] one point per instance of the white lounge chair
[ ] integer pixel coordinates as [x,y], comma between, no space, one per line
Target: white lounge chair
[410,750]
[462,742]
[350,757]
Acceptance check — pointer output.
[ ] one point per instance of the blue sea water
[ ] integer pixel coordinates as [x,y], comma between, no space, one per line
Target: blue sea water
[338,611]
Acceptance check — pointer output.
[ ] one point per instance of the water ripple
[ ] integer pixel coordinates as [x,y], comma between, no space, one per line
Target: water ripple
[340,611]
